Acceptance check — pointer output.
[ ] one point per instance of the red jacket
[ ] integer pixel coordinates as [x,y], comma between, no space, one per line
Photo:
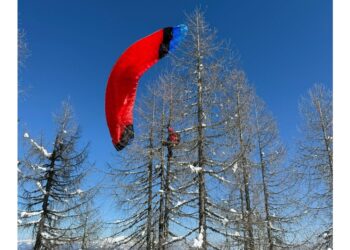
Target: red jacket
[173,136]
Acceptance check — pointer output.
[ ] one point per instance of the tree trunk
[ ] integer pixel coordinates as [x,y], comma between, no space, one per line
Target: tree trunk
[150,194]
[249,225]
[326,141]
[264,182]
[168,174]
[201,179]
[162,187]
[85,236]
[167,194]
[51,172]
[243,219]
[248,208]
[266,201]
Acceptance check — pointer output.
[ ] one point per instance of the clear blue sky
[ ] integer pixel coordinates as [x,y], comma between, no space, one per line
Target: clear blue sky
[285,47]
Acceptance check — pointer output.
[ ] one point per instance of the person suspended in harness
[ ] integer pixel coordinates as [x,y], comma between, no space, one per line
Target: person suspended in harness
[172,140]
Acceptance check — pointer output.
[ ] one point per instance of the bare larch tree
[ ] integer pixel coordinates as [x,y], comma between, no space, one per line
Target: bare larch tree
[315,160]
[50,195]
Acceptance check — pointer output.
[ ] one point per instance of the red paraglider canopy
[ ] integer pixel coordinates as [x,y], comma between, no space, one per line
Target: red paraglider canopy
[123,80]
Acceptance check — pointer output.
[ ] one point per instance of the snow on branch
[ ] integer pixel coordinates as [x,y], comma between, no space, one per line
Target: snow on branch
[41,149]
[187,129]
[232,210]
[195,169]
[178,238]
[183,202]
[27,224]
[78,191]
[234,168]
[198,242]
[273,227]
[26,214]
[40,187]
[220,178]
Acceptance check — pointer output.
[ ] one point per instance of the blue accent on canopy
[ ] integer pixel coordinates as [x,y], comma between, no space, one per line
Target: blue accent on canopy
[179,32]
